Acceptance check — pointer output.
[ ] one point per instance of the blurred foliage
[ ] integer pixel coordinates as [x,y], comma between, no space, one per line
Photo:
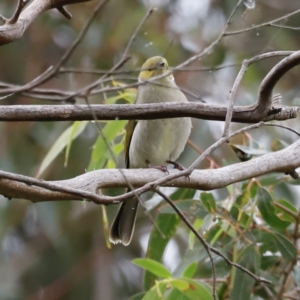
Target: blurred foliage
[58,251]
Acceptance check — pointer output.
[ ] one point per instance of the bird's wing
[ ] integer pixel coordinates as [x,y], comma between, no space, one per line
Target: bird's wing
[129,132]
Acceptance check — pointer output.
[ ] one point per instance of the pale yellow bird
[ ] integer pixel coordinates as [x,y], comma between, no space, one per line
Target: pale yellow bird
[150,142]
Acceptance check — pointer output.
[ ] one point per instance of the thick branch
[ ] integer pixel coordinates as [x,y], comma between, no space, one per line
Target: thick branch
[242,114]
[269,82]
[285,160]
[10,31]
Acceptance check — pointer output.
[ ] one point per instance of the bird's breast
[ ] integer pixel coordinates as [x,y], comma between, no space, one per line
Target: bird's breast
[157,141]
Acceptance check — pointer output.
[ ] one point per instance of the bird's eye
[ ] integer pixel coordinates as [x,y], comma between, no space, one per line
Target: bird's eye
[162,64]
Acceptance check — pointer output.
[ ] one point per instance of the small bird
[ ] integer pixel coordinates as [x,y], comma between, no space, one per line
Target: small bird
[150,143]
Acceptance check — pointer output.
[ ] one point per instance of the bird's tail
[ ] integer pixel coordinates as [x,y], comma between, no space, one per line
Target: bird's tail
[122,228]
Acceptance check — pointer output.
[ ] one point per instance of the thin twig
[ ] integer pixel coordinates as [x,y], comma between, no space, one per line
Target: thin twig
[100,72]
[285,27]
[133,37]
[51,72]
[209,248]
[285,275]
[228,33]
[198,235]
[65,12]
[282,126]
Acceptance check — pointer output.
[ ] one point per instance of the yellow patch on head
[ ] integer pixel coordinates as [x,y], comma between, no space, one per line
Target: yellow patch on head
[153,67]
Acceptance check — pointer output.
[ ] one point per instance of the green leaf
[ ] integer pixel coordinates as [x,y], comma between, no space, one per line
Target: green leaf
[161,234]
[69,134]
[209,202]
[153,266]
[78,127]
[266,207]
[190,270]
[183,194]
[196,290]
[197,225]
[284,215]
[243,283]
[285,247]
[179,284]
[129,95]
[271,179]
[191,208]
[100,153]
[156,292]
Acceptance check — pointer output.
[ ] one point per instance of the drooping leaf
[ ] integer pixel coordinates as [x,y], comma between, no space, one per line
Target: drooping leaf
[209,202]
[65,139]
[266,207]
[197,225]
[78,127]
[100,153]
[242,286]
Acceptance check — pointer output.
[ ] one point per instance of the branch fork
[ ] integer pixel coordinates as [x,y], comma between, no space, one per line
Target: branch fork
[14,27]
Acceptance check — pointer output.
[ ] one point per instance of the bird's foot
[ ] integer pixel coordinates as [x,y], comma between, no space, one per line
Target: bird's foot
[176,165]
[161,168]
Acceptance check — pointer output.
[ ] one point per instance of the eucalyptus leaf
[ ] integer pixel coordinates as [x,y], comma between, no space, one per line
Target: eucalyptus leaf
[153,266]
[266,207]
[64,139]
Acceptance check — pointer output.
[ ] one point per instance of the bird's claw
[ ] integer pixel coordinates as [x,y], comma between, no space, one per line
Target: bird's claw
[177,166]
[161,168]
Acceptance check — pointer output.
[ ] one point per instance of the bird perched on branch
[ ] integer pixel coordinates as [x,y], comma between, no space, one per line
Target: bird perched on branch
[150,143]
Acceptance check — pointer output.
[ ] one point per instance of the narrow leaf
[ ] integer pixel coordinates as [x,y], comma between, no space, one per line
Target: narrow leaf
[78,127]
[209,202]
[266,207]
[190,270]
[153,266]
[60,144]
[286,248]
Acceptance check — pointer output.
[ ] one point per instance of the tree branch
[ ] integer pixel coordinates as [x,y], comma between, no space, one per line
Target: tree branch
[15,27]
[269,82]
[13,186]
[242,114]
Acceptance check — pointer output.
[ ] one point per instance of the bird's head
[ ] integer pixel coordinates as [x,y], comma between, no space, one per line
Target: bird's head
[153,67]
